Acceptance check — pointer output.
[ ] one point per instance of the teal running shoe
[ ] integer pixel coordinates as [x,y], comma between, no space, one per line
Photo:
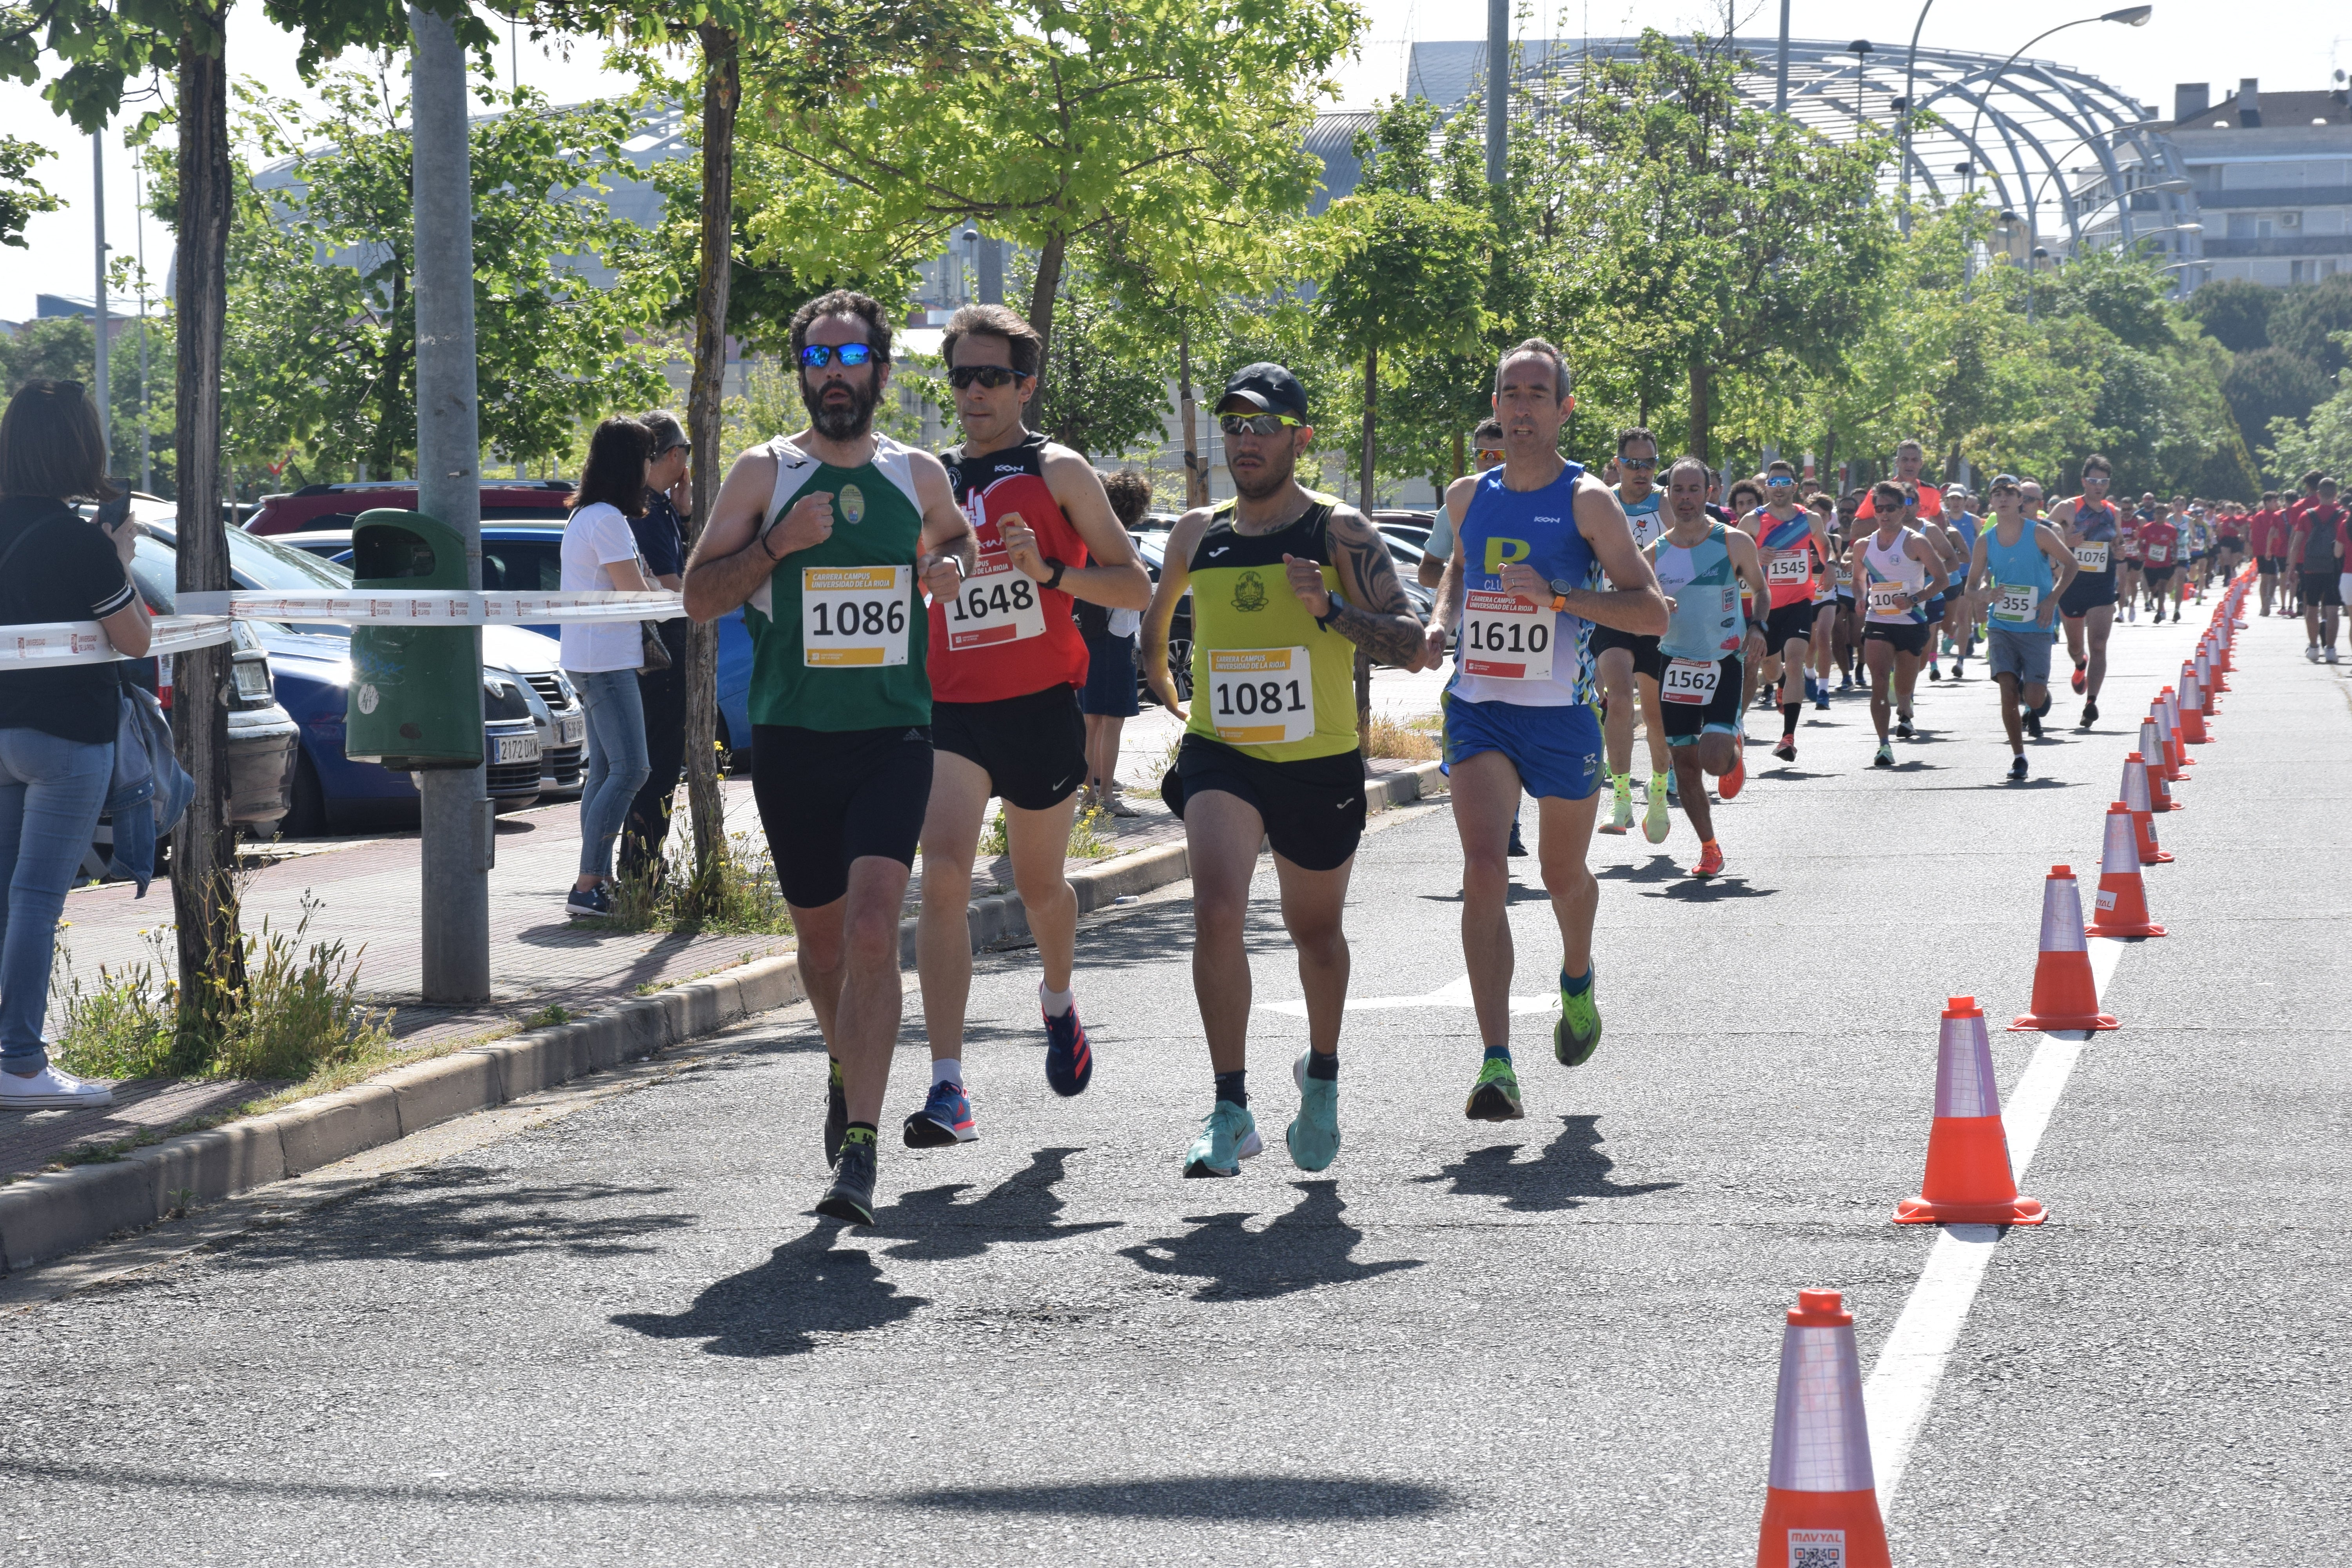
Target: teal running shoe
[1228,1136]
[1495,1096]
[1578,1034]
[1313,1136]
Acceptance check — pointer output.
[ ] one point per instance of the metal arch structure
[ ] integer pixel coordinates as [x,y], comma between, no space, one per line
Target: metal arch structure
[2015,124]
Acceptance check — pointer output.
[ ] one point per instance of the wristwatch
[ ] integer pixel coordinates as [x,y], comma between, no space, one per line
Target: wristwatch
[1559,587]
[1059,567]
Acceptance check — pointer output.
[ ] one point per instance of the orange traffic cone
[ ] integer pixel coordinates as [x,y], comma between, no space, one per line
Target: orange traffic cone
[1969,1180]
[2192,708]
[1822,1505]
[2177,760]
[2212,670]
[2065,993]
[2151,750]
[2136,795]
[2123,899]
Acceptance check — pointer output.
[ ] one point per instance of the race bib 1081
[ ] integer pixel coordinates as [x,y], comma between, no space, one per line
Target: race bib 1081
[1261,696]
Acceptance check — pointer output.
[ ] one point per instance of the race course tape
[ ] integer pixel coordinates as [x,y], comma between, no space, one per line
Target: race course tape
[206,617]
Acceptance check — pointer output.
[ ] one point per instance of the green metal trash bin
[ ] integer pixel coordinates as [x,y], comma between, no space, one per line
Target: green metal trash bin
[415,697]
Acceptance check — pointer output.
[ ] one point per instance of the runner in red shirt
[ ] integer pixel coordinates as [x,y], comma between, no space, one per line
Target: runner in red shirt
[2321,543]
[1005,662]
[2291,580]
[2267,532]
[2229,538]
[2159,554]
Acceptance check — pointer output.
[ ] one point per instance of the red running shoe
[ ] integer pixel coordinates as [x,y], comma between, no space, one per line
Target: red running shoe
[1730,785]
[1710,860]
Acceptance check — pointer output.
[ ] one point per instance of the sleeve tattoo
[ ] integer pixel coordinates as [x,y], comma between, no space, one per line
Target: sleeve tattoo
[1385,627]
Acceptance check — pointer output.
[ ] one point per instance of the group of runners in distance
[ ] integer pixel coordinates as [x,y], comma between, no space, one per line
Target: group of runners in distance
[1567,600]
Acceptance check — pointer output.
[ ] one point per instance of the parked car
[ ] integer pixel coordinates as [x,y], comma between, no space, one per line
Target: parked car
[310,668]
[526,556]
[1153,550]
[1412,527]
[339,506]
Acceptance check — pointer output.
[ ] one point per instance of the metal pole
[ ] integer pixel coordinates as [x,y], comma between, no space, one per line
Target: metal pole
[98,298]
[1910,80]
[1498,91]
[455,809]
[1780,93]
[139,229]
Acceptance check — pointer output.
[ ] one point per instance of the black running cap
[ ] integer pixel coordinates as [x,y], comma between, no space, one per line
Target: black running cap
[1268,389]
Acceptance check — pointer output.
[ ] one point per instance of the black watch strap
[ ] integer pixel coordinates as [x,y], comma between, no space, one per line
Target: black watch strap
[1059,567]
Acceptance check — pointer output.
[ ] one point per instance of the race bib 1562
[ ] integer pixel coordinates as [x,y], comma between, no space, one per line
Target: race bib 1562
[1690,679]
[854,616]
[1261,696]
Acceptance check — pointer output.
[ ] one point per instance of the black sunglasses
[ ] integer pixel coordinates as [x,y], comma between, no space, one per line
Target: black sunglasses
[816,355]
[686,447]
[988,375]
[1256,424]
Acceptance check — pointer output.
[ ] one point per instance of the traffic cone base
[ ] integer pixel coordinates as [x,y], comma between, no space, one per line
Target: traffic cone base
[2065,993]
[1968,1169]
[1841,1528]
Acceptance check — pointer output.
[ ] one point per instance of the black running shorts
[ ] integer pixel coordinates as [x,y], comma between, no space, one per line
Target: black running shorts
[1788,621]
[1647,660]
[830,797]
[2322,588]
[1908,638]
[1033,748]
[2157,576]
[1313,808]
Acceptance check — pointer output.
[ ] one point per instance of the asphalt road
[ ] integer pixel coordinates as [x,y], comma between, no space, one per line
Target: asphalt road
[619,1337]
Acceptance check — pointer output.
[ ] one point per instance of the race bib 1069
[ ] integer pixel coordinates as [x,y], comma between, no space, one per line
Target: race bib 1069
[1505,637]
[853,617]
[1883,597]
[1261,696]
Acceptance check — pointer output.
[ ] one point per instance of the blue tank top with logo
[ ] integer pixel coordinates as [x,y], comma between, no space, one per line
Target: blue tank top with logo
[2011,568]
[1537,527]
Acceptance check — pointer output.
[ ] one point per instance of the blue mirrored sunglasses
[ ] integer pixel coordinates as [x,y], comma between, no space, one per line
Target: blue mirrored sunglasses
[817,355]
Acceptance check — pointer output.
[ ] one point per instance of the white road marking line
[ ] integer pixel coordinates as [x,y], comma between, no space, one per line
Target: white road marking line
[1902,1384]
[1456,994]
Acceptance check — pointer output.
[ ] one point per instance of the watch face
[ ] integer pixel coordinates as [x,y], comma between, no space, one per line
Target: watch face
[1559,585]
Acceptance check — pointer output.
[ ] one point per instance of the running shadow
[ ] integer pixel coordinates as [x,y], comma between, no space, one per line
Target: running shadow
[1570,1173]
[1308,1247]
[1713,889]
[806,1292]
[1792,773]
[1273,1499]
[1658,868]
[1520,894]
[933,1227]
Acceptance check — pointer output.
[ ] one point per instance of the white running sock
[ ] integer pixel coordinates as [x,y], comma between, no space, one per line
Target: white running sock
[946,1070]
[1056,1003]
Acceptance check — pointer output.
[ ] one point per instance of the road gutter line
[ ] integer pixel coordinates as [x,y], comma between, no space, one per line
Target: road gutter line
[1910,1366]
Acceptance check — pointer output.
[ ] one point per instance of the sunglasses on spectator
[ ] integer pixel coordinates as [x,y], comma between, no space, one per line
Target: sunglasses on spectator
[686,447]
[1485,452]
[1256,424]
[815,356]
[988,375]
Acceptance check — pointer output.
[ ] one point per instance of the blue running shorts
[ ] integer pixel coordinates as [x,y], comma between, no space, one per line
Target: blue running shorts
[1555,750]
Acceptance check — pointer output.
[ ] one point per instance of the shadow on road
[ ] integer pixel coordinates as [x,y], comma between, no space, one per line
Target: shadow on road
[1658,868]
[1520,894]
[936,1229]
[1266,1498]
[1570,1173]
[1308,1247]
[1712,889]
[806,1289]
[461,1214]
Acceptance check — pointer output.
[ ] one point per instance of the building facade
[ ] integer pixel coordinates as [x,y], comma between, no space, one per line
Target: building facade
[2273,173]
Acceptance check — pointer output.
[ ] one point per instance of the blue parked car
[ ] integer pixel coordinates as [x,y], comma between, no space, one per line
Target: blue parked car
[527,557]
[311,666]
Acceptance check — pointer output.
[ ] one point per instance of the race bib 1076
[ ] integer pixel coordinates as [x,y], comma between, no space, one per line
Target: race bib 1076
[853,617]
[2092,556]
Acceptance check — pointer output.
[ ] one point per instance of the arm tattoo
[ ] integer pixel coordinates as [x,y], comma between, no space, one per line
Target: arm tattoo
[1386,629]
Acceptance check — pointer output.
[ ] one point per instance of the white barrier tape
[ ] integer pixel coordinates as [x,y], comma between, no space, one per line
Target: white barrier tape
[441,609]
[50,645]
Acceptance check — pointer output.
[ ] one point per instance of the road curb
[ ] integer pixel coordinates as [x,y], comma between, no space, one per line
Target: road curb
[48,1216]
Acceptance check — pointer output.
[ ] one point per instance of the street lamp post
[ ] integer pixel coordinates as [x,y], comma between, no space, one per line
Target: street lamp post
[2130,17]
[1910,74]
[1860,50]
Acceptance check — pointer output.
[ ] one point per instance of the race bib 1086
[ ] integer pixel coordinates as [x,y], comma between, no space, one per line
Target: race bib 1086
[853,617]
[1505,637]
[1261,696]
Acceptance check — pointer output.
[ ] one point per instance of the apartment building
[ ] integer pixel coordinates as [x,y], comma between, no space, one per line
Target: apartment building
[2273,173]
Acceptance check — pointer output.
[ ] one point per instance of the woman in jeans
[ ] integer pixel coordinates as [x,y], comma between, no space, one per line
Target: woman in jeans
[56,724]
[602,657]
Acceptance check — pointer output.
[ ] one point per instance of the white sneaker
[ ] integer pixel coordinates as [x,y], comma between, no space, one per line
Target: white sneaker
[2312,653]
[2330,656]
[51,1088]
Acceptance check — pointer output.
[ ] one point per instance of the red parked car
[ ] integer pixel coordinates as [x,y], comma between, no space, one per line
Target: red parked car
[339,506]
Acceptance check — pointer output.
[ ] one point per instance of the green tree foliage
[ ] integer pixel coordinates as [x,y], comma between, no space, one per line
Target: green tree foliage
[1105,393]
[2311,321]
[321,356]
[2236,312]
[2322,441]
[2272,383]
[21,195]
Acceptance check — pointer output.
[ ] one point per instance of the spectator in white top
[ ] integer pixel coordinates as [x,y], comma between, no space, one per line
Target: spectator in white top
[600,554]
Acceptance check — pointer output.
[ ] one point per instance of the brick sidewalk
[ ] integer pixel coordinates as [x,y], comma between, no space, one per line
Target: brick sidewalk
[368,892]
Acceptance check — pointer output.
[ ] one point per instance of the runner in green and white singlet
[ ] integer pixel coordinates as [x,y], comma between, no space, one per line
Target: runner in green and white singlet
[826,539]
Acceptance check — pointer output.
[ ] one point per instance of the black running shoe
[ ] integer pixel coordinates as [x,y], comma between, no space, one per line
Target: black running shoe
[2032,724]
[2017,770]
[2090,711]
[1903,725]
[836,1112]
[1933,673]
[1518,844]
[851,1195]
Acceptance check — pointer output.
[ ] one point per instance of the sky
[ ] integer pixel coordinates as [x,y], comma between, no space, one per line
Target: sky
[2288,43]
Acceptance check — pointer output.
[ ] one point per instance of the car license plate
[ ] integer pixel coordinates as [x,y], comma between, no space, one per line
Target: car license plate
[252,678]
[518,749]
[570,729]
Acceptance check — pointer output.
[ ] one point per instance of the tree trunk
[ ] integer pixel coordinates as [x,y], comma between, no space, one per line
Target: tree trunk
[722,95]
[1188,411]
[1041,315]
[203,850]
[1701,425]
[1364,501]
[1827,463]
[1460,466]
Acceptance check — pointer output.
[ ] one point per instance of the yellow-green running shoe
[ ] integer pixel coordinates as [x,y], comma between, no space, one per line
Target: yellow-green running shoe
[1578,1034]
[1621,806]
[1495,1096]
[1655,823]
